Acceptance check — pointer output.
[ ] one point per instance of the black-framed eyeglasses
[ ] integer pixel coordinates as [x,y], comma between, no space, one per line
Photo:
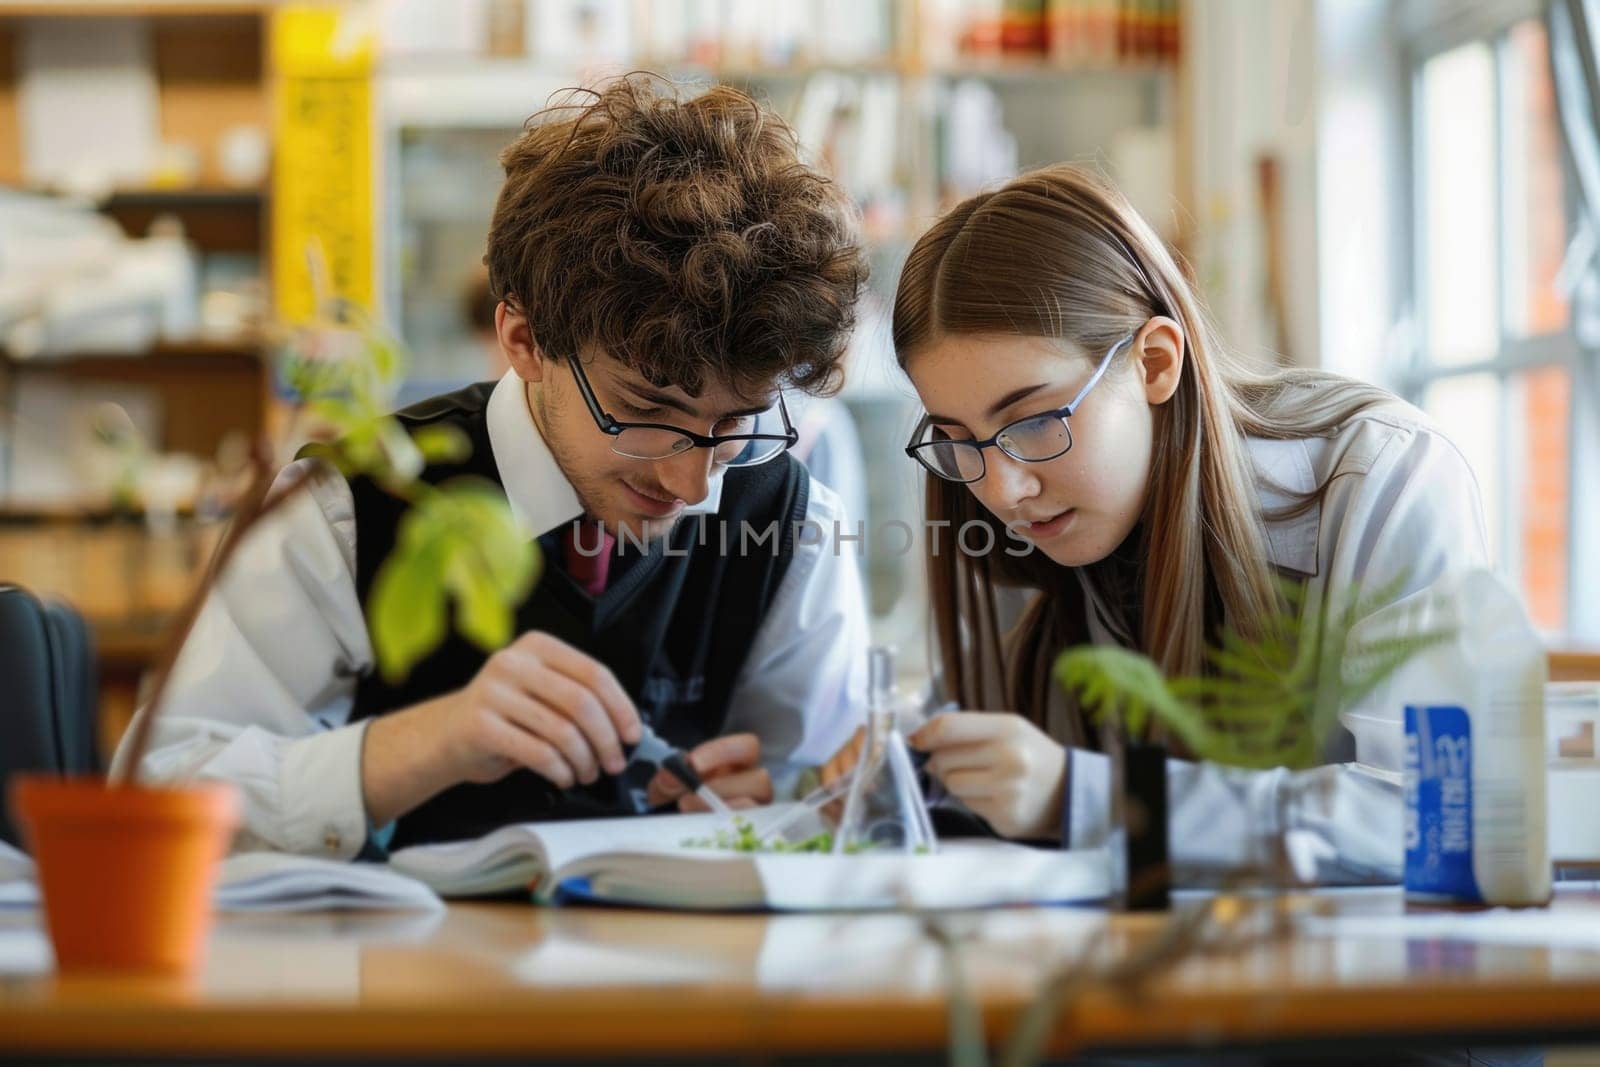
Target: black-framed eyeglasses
[759,437]
[1030,439]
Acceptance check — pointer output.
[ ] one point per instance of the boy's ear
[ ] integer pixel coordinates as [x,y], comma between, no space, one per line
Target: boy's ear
[516,341]
[1159,350]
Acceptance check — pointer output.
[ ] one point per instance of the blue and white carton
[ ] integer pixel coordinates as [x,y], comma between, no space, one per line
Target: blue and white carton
[1474,776]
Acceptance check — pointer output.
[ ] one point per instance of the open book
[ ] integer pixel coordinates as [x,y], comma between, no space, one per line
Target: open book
[644,860]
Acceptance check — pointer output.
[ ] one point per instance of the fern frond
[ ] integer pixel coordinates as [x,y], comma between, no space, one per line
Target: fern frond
[1267,700]
[1114,683]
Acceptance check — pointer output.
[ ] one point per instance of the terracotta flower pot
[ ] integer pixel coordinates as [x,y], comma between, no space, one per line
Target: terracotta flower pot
[126,872]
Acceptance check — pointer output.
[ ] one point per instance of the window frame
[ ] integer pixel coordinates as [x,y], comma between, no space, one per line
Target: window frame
[1514,355]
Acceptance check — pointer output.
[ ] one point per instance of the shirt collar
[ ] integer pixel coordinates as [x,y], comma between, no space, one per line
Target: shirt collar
[1286,477]
[541,497]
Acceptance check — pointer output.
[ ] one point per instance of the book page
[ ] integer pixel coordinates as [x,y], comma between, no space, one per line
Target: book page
[519,855]
[88,101]
[962,874]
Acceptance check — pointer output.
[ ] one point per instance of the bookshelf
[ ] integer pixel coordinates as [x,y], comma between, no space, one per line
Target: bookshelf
[1061,79]
[209,65]
[967,101]
[912,103]
[209,72]
[206,68]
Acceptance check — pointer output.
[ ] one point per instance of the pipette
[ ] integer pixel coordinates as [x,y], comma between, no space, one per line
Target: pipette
[652,749]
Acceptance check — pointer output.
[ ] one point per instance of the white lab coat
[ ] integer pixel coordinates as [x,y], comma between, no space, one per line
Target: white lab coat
[1401,502]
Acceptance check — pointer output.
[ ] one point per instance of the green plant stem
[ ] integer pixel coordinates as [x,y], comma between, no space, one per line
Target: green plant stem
[254,506]
[1190,934]
[968,1045]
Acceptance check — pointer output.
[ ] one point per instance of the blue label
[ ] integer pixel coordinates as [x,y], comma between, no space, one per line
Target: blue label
[1438,803]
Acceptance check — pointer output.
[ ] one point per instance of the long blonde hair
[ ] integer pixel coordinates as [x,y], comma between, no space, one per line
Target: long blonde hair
[1059,253]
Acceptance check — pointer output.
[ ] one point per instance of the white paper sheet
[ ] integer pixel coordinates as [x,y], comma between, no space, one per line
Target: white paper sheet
[88,102]
[267,881]
[24,950]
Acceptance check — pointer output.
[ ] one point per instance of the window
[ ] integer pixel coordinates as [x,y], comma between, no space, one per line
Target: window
[1498,361]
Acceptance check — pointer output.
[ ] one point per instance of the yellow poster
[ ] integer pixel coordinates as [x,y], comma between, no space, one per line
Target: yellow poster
[322,177]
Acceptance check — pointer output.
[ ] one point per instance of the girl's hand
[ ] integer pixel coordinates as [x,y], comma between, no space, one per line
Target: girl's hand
[999,765]
[844,761]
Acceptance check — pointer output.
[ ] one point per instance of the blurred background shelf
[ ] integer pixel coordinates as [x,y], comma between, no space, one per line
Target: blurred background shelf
[911,104]
[214,219]
[125,9]
[207,390]
[1283,150]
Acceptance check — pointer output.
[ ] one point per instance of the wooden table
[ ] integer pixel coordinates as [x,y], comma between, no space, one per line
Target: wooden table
[494,980]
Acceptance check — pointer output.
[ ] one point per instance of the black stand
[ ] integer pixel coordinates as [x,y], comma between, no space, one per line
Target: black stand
[1144,813]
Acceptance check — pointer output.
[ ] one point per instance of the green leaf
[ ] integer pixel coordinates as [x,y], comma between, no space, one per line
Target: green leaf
[335,411]
[483,512]
[406,610]
[1368,665]
[1265,701]
[483,615]
[399,460]
[386,357]
[358,448]
[455,542]
[1115,683]
[465,534]
[306,375]
[442,443]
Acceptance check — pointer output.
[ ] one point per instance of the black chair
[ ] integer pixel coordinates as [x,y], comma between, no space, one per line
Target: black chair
[48,693]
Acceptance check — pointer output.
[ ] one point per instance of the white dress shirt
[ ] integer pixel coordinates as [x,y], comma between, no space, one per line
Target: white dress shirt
[1401,503]
[262,691]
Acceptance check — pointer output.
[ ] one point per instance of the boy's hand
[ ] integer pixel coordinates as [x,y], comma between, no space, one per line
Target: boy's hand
[730,765]
[539,703]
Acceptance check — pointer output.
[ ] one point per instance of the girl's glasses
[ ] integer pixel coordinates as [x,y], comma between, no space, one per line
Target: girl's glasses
[1031,439]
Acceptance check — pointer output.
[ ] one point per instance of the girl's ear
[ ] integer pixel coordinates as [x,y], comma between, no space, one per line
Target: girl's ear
[1159,349]
[516,341]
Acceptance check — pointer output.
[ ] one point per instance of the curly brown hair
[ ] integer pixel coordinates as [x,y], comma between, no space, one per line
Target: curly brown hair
[682,236]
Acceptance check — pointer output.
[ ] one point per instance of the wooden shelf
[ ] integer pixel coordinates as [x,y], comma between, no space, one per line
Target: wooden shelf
[1019,65]
[742,72]
[1022,66]
[181,196]
[248,348]
[209,61]
[1575,665]
[82,512]
[148,9]
[214,219]
[208,388]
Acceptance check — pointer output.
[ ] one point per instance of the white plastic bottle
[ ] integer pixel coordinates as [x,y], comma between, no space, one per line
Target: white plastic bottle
[1474,747]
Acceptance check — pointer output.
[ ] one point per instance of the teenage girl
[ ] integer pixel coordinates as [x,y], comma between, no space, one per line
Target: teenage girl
[1079,403]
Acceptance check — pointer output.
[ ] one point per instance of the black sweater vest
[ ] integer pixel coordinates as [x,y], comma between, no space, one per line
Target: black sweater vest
[675,626]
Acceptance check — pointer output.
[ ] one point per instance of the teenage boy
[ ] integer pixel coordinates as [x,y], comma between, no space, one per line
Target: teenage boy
[666,268]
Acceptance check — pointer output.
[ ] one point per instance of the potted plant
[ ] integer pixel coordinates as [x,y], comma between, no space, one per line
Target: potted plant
[162,844]
[1271,699]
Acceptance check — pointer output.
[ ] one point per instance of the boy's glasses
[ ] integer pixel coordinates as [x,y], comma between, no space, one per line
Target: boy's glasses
[1031,439]
[755,438]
